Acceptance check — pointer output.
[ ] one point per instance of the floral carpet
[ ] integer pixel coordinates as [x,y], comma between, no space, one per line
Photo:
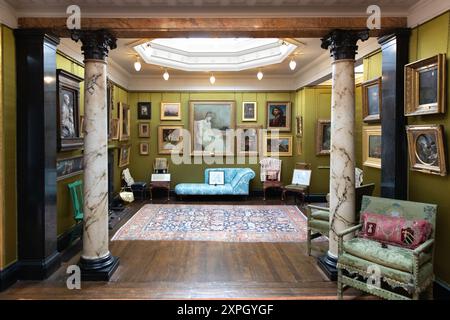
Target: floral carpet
[228,223]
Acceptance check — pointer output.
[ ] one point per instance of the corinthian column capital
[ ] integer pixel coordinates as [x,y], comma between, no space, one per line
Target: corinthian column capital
[95,43]
[342,43]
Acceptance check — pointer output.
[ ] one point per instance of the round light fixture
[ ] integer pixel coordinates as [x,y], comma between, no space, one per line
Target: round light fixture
[292,64]
[137,65]
[166,75]
[260,75]
[212,79]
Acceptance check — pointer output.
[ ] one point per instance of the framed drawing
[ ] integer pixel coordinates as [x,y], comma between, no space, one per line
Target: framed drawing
[144,148]
[299,126]
[68,111]
[170,111]
[69,167]
[209,122]
[301,177]
[279,145]
[371,145]
[124,121]
[426,149]
[114,129]
[249,111]
[144,110]
[425,86]
[278,115]
[323,137]
[144,129]
[124,155]
[216,178]
[247,139]
[371,106]
[170,139]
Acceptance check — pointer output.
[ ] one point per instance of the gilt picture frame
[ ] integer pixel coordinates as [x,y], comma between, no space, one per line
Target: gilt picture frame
[170,111]
[278,116]
[144,148]
[277,145]
[248,138]
[124,155]
[249,111]
[371,146]
[371,100]
[323,137]
[124,121]
[170,139]
[144,129]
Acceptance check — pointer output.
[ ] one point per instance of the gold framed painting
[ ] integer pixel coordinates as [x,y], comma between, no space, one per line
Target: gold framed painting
[426,149]
[114,129]
[170,139]
[170,111]
[277,145]
[425,86]
[144,129]
[323,137]
[144,148]
[278,115]
[249,111]
[371,95]
[124,121]
[299,126]
[124,155]
[247,139]
[371,145]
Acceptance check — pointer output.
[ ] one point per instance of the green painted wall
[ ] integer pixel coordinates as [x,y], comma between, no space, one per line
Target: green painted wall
[9,205]
[141,166]
[428,40]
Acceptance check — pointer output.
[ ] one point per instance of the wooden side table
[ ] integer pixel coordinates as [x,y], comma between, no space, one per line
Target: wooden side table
[271,184]
[160,185]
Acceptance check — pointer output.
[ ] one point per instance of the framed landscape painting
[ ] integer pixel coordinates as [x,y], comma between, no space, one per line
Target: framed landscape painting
[209,122]
[170,111]
[371,145]
[371,91]
[278,145]
[278,115]
[427,149]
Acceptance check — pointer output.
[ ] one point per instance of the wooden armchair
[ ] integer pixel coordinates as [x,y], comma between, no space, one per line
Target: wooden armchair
[270,174]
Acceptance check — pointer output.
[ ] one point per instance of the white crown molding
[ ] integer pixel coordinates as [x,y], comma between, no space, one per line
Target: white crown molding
[426,10]
[8,16]
[118,74]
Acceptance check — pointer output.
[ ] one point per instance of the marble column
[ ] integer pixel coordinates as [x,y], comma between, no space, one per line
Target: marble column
[343,48]
[96,261]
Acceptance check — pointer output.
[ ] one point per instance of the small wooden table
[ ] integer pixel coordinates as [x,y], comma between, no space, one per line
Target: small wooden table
[160,185]
[271,184]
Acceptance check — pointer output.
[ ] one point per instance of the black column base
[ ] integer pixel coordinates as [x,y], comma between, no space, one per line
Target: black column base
[98,269]
[328,265]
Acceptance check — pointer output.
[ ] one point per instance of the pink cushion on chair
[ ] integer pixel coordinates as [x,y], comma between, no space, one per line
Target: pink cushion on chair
[396,231]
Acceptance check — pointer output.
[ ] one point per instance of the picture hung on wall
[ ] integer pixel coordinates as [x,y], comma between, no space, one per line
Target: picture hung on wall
[110,104]
[144,148]
[247,140]
[371,105]
[114,129]
[299,126]
[209,121]
[68,111]
[144,110]
[371,146]
[323,137]
[170,139]
[124,155]
[425,86]
[280,145]
[69,167]
[426,149]
[278,115]
[170,111]
[249,111]
[144,129]
[124,121]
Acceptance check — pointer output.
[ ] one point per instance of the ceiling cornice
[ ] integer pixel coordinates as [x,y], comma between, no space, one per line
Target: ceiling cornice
[8,16]
[426,10]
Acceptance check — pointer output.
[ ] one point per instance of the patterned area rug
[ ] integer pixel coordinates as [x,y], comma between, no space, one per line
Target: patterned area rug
[215,223]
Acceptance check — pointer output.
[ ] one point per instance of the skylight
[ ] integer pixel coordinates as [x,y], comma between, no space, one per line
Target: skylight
[215,54]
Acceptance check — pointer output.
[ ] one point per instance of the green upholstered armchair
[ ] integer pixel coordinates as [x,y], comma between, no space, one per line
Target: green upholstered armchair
[319,217]
[388,271]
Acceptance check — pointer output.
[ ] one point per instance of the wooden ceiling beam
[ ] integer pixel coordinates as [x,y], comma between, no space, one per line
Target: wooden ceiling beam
[303,27]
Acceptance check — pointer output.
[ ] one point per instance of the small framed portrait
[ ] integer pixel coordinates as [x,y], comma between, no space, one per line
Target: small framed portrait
[216,178]
[299,126]
[144,148]
[248,138]
[278,115]
[249,111]
[124,121]
[323,137]
[70,135]
[426,149]
[144,129]
[124,155]
[371,105]
[371,145]
[277,145]
[170,111]
[425,86]
[114,129]
[170,139]
[69,167]
[144,110]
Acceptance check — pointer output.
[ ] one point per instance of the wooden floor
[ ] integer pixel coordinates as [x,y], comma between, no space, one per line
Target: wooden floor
[195,270]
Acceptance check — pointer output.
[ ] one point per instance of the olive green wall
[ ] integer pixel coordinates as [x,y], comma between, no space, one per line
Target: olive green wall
[428,40]
[140,166]
[8,210]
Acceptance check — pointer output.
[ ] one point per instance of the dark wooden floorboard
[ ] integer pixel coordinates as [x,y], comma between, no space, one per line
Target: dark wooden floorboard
[196,269]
